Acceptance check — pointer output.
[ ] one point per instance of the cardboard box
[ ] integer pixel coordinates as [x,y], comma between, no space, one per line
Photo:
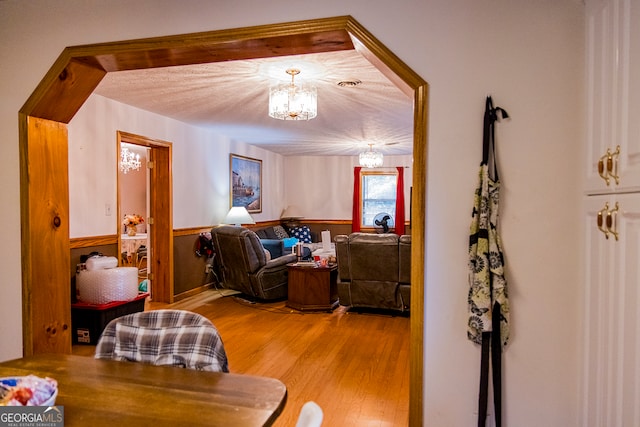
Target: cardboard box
[89,320]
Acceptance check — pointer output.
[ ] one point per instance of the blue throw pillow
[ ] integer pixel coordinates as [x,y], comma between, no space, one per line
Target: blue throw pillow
[302,233]
[289,242]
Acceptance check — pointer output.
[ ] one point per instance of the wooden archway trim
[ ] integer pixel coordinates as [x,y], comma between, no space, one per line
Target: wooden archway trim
[72,79]
[79,69]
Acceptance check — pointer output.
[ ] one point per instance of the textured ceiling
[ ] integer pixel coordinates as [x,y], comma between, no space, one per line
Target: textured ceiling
[232,98]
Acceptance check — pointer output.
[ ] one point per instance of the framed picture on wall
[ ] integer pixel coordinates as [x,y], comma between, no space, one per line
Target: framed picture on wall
[245,182]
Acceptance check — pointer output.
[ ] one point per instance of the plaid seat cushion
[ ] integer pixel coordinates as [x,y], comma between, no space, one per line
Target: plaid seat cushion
[164,337]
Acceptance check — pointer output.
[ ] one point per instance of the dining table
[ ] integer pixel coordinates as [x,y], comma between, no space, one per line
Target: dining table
[131,244]
[98,392]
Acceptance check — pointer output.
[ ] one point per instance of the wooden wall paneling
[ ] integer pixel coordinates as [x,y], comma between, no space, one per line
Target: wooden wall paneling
[189,269]
[86,242]
[44,200]
[317,227]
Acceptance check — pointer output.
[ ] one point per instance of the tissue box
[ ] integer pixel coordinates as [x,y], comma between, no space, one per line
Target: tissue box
[89,320]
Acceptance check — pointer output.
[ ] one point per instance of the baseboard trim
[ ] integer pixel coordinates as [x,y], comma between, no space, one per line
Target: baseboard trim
[192,292]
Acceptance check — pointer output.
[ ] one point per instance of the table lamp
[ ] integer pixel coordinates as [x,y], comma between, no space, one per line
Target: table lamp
[238,215]
[291,216]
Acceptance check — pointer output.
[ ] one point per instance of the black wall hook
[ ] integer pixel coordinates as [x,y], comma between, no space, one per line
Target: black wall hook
[493,111]
[502,111]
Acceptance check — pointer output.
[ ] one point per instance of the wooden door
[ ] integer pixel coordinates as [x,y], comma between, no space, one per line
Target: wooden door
[161,224]
[160,215]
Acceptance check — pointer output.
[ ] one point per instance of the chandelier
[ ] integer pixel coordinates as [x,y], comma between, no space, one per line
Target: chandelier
[371,159]
[291,102]
[128,160]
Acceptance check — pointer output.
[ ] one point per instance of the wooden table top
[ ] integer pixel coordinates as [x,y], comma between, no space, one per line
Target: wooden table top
[106,393]
[311,265]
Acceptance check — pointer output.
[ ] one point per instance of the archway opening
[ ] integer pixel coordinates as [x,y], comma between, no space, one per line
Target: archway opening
[72,79]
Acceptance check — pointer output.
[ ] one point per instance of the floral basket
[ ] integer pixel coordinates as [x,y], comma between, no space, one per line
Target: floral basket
[130,222]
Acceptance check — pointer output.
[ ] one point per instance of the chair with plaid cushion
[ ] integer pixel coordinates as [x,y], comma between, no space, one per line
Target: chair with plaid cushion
[164,337]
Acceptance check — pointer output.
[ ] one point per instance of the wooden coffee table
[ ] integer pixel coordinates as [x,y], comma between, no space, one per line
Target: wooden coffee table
[312,288]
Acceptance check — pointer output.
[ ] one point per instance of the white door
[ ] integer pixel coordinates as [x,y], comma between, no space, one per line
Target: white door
[611,312]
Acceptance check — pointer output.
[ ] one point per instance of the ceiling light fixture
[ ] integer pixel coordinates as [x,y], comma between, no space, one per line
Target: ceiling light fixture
[371,159]
[291,102]
[128,160]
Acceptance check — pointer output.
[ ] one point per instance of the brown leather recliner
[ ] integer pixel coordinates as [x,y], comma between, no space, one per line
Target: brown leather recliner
[244,264]
[374,270]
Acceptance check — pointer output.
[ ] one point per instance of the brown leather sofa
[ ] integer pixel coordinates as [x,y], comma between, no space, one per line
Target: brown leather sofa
[244,265]
[374,270]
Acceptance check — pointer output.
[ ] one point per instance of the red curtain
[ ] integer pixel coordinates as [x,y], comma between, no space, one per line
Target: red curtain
[399,222]
[356,217]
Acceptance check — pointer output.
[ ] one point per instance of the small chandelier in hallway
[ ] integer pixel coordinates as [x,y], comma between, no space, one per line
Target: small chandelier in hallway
[128,160]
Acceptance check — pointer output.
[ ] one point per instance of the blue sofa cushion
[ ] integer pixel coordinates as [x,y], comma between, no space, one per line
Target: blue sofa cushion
[302,233]
[289,242]
[274,246]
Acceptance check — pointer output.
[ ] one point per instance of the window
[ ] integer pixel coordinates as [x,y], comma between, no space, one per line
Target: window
[377,195]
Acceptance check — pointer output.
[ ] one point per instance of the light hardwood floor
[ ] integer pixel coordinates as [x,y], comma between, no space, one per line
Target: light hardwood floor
[355,365]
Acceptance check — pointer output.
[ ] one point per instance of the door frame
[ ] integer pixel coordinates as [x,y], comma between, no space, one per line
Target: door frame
[75,75]
[160,215]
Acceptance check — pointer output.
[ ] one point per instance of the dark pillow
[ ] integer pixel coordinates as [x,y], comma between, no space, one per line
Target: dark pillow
[269,233]
[280,232]
[302,233]
[261,234]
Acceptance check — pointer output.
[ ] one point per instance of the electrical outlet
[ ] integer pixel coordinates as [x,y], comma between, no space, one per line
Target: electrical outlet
[107,209]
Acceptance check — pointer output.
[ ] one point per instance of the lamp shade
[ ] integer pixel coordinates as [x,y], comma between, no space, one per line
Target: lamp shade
[238,215]
[292,211]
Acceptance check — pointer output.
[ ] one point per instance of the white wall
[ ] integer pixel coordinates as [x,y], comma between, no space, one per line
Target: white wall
[200,168]
[322,186]
[528,55]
